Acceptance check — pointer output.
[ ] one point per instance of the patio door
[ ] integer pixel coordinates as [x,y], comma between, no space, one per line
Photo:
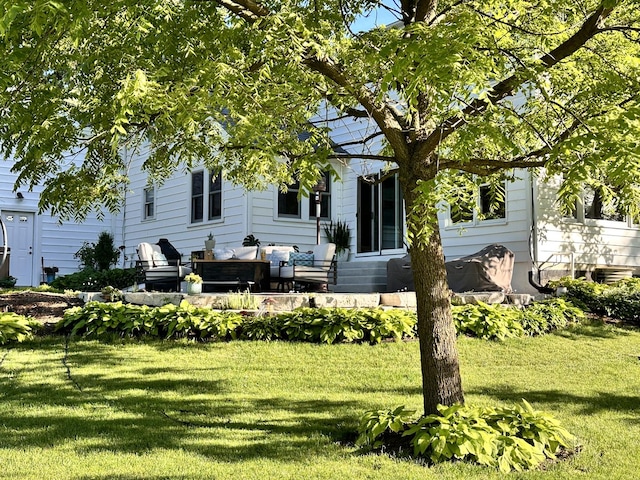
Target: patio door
[20,240]
[380,215]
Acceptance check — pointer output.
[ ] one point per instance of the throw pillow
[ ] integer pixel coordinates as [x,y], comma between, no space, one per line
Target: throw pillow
[159,260]
[301,259]
[278,256]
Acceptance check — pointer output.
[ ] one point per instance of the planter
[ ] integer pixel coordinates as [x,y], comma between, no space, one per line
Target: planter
[210,243]
[343,256]
[194,288]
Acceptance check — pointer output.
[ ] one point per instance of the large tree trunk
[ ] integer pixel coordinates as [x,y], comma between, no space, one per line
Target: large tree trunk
[441,382]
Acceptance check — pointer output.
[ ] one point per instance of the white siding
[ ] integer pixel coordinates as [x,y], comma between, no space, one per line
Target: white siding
[593,243]
[54,243]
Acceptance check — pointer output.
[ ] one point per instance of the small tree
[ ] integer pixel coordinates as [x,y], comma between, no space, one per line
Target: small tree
[461,89]
[98,256]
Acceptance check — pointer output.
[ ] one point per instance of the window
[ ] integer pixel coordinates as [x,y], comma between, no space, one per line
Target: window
[596,207]
[325,200]
[491,205]
[288,202]
[149,203]
[492,202]
[206,199]
[197,197]
[215,196]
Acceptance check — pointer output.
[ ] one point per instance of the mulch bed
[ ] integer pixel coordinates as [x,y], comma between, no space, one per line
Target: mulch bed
[44,307]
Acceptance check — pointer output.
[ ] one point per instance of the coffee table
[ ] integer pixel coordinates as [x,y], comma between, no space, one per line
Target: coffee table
[218,275]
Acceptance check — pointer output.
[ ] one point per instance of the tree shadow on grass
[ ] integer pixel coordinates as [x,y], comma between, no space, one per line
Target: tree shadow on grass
[593,329]
[587,405]
[135,410]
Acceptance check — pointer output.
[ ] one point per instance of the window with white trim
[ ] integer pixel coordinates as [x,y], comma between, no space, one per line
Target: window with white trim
[325,200]
[490,205]
[289,203]
[206,197]
[149,203]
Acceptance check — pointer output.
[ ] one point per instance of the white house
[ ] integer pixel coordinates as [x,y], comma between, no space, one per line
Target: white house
[39,238]
[189,206]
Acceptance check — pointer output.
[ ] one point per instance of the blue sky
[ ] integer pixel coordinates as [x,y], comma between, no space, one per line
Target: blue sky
[378,17]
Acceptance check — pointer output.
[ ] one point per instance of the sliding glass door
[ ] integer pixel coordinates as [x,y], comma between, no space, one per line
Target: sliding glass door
[380,217]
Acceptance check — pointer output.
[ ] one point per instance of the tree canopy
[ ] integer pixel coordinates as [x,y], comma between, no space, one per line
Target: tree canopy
[455,89]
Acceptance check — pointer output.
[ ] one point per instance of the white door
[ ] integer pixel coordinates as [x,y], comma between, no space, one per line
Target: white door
[20,240]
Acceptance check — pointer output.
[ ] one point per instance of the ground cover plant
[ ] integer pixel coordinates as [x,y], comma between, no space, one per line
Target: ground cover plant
[326,325]
[14,328]
[77,409]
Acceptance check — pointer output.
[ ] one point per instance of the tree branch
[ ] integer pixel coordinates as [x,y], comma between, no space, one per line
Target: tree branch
[508,86]
[361,156]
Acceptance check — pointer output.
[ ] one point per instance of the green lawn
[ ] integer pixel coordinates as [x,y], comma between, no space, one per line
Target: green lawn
[152,410]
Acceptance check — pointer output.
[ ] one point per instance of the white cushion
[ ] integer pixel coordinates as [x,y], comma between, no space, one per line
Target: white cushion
[222,253]
[245,253]
[159,260]
[323,254]
[278,256]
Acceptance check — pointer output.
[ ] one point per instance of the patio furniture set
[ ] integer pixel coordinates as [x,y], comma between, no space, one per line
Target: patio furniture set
[254,268]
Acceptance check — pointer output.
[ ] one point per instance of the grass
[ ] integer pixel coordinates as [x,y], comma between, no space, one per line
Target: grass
[154,410]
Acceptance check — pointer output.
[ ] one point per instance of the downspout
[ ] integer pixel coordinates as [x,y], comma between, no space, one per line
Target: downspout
[533,243]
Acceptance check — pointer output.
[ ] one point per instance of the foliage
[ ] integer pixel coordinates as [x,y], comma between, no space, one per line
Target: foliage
[510,438]
[318,325]
[552,314]
[333,325]
[338,232]
[581,291]
[255,89]
[619,300]
[96,319]
[94,281]
[305,324]
[193,278]
[8,282]
[488,321]
[100,255]
[14,328]
[250,241]
[242,301]
[112,294]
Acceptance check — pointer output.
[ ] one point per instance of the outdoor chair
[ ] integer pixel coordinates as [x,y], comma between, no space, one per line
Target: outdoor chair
[304,270]
[159,273]
[278,256]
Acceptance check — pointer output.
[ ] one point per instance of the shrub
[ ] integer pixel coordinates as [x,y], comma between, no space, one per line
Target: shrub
[14,328]
[547,315]
[509,438]
[90,280]
[100,255]
[620,300]
[488,321]
[8,282]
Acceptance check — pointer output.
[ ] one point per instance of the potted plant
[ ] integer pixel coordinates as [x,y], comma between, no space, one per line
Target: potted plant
[194,284]
[250,241]
[210,242]
[338,232]
[50,273]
